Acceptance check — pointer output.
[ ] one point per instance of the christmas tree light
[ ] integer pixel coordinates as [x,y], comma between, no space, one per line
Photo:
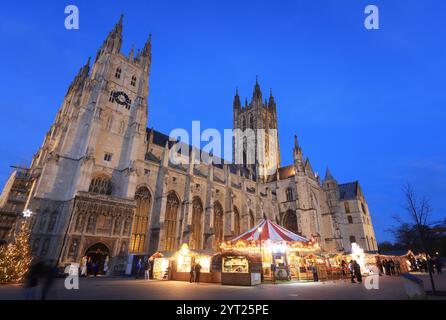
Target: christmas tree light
[15,258]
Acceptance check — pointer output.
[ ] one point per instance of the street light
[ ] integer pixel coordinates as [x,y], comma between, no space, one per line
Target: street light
[260,229]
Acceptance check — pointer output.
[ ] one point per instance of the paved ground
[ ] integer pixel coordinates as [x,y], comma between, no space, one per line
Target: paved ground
[125,288]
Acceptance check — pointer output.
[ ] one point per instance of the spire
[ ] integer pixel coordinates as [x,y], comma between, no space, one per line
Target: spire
[272,102]
[328,175]
[132,51]
[147,51]
[296,142]
[113,42]
[81,76]
[257,95]
[237,103]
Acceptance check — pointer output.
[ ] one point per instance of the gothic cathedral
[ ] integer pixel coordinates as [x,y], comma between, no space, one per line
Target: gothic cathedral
[102,181]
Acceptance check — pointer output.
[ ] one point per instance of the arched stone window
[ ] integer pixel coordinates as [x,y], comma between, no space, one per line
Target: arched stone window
[101,184]
[140,220]
[243,123]
[290,221]
[289,194]
[170,222]
[236,221]
[251,121]
[197,225]
[218,222]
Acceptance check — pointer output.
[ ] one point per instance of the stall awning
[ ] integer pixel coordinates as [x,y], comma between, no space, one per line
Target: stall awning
[270,231]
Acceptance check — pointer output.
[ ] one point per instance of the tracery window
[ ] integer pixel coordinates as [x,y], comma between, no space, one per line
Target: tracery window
[170,222]
[218,221]
[140,220]
[289,194]
[236,221]
[101,184]
[197,228]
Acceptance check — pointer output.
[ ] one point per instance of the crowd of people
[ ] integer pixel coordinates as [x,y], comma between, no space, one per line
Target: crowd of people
[389,267]
[434,265]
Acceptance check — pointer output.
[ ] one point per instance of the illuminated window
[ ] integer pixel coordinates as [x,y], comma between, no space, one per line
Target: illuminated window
[140,220]
[170,223]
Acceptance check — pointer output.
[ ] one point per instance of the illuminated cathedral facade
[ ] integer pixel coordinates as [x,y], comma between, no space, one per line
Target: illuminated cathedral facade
[102,180]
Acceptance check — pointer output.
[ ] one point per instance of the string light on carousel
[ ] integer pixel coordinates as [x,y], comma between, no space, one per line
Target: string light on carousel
[274,245]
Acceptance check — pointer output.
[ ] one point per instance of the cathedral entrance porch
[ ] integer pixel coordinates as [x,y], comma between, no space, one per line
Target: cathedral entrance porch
[98,256]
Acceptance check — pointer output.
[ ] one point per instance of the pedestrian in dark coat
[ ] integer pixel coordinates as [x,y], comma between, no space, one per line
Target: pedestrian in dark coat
[197,272]
[357,269]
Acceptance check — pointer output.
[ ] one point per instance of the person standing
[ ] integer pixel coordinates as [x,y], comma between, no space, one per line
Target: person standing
[197,272]
[107,259]
[398,267]
[357,271]
[84,266]
[438,265]
[352,271]
[273,272]
[392,267]
[192,273]
[147,270]
[138,268]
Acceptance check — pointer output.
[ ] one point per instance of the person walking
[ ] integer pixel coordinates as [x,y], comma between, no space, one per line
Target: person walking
[197,272]
[352,271]
[51,273]
[32,280]
[192,273]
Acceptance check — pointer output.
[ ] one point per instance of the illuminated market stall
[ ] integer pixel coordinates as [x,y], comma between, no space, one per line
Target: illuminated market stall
[177,265]
[283,254]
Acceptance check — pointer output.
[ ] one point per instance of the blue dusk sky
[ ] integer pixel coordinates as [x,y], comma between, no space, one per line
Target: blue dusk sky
[368,104]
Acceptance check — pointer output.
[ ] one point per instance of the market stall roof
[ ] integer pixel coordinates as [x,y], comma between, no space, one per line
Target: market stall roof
[270,231]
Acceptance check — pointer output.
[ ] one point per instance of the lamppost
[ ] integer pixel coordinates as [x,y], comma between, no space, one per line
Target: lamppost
[260,229]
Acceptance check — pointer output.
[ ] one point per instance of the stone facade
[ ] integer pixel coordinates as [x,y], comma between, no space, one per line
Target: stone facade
[101,177]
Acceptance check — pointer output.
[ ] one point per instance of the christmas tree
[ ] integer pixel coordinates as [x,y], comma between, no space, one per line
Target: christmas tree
[15,258]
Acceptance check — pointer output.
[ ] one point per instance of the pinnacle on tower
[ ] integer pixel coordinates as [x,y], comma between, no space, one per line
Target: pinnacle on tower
[328,175]
[113,42]
[237,103]
[257,95]
[147,51]
[272,102]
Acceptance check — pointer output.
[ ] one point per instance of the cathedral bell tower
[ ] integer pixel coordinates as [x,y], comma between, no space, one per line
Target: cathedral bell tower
[256,138]
[92,153]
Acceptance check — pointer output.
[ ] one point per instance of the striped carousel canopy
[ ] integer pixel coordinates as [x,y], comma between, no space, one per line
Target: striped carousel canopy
[270,231]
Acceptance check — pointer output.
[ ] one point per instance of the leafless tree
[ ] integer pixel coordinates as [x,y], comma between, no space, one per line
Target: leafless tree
[419,210]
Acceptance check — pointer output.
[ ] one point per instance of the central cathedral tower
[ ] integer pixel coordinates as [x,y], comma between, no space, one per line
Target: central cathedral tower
[258,144]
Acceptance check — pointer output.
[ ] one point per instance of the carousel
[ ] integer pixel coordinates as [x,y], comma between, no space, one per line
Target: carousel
[268,252]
